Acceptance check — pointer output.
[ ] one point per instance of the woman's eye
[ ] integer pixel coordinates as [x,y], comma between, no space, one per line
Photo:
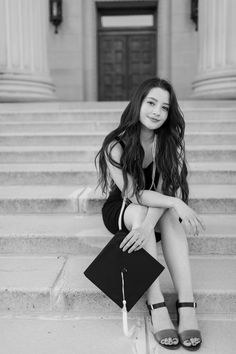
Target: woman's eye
[151,103]
[165,109]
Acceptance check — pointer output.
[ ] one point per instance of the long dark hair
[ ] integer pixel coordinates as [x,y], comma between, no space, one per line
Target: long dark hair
[170,150]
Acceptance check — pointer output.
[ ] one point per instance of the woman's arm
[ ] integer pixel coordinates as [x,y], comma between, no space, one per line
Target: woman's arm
[147,197]
[155,199]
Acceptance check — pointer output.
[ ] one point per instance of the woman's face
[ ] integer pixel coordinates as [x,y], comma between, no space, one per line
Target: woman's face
[154,108]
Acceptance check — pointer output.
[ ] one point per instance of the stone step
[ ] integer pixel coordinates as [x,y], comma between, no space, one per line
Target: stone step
[59,173]
[74,116]
[214,153]
[63,105]
[85,154]
[83,138]
[40,199]
[96,114]
[202,125]
[210,199]
[22,199]
[71,234]
[63,335]
[37,284]
[74,111]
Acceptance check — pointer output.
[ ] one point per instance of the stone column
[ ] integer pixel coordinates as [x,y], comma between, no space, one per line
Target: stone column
[216,78]
[90,50]
[164,39]
[24,73]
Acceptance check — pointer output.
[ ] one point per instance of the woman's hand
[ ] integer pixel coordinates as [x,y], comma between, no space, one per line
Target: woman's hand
[191,222]
[135,239]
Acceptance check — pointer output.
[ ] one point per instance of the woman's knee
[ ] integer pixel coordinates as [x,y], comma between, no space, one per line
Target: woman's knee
[134,215]
[170,226]
[170,217]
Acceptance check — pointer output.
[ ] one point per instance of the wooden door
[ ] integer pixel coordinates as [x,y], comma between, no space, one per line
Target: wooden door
[141,60]
[125,60]
[112,68]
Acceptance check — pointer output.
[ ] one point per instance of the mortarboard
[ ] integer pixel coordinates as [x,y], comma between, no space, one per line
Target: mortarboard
[123,276]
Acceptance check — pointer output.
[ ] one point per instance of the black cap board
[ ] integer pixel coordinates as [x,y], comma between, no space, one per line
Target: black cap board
[139,271]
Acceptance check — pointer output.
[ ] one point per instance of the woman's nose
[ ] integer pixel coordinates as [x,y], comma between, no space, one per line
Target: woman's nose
[157,110]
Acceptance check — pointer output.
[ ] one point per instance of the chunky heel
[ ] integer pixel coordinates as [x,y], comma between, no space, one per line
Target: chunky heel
[191,333]
[165,334]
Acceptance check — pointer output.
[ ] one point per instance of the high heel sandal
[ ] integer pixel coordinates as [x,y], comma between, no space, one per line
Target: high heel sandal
[191,333]
[164,334]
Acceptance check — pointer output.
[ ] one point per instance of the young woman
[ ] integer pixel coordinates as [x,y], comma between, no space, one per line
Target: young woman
[143,160]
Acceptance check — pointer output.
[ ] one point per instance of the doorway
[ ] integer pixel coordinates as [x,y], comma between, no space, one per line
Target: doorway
[126,51]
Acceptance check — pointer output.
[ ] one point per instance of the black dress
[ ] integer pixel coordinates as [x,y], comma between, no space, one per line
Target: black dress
[112,206]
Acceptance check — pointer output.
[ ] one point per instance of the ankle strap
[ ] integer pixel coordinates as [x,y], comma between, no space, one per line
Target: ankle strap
[186,304]
[155,306]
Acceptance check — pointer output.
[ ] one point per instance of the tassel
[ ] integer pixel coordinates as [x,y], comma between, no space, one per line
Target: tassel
[125,320]
[127,332]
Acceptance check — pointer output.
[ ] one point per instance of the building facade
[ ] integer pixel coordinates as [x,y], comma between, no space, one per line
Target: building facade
[104,49]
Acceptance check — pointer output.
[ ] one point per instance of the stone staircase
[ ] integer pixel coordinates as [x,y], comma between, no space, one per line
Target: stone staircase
[51,228]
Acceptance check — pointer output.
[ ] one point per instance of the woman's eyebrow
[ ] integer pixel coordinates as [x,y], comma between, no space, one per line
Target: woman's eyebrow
[166,103]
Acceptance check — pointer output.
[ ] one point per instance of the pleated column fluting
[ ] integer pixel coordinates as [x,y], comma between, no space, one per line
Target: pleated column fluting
[216,78]
[24,73]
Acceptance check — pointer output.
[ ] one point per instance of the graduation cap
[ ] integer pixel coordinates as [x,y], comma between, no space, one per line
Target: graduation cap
[124,277]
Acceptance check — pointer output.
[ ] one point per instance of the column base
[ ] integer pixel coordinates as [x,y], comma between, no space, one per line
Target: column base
[215,86]
[24,88]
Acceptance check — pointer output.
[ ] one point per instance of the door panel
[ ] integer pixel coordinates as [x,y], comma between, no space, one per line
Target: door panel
[112,68]
[141,59]
[124,62]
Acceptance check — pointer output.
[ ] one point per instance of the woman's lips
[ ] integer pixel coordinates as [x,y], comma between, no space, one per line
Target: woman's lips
[154,119]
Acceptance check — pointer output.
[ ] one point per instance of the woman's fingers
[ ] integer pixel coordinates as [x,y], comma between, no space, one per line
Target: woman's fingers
[142,243]
[190,224]
[198,224]
[128,244]
[194,224]
[136,246]
[132,242]
[186,224]
[127,239]
[200,221]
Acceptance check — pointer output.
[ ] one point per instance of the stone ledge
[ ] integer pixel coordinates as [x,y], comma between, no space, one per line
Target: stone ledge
[66,234]
[27,283]
[214,291]
[63,336]
[33,285]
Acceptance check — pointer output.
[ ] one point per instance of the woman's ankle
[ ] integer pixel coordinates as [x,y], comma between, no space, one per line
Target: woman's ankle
[155,298]
[185,296]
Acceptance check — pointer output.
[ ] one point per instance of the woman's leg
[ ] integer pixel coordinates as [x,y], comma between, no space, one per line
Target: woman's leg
[175,250]
[133,218]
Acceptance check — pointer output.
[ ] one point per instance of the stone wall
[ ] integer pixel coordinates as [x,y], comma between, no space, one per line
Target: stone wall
[66,53]
[183,48]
